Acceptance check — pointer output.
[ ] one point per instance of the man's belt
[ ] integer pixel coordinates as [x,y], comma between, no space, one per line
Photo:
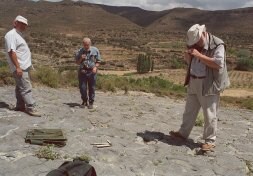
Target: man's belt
[197,77]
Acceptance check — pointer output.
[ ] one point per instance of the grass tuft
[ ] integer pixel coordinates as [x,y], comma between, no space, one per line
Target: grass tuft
[200,120]
[47,152]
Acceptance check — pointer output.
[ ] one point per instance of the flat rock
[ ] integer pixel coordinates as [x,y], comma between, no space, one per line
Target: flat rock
[138,127]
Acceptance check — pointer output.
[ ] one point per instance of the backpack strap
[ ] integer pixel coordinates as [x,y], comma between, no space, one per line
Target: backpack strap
[215,42]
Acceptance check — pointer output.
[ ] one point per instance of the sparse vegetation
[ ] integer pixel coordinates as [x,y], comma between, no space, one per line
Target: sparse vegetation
[239,102]
[160,85]
[200,120]
[84,157]
[177,63]
[245,62]
[5,74]
[47,152]
[47,76]
[154,84]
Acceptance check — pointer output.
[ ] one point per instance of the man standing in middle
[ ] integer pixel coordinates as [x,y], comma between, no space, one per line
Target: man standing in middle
[88,58]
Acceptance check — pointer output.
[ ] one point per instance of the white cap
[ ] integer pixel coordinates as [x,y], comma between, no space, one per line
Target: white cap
[194,34]
[21,19]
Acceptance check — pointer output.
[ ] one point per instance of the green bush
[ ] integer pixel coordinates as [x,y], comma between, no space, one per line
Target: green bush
[107,83]
[47,76]
[231,52]
[243,53]
[6,77]
[245,64]
[69,78]
[177,63]
[144,63]
[155,85]
[245,60]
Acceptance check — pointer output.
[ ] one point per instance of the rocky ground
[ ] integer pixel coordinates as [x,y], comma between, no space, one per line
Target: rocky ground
[137,125]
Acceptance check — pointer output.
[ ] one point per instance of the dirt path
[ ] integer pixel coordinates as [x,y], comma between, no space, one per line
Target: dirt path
[238,93]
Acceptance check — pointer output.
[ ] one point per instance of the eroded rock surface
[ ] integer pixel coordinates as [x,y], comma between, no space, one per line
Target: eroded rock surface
[138,127]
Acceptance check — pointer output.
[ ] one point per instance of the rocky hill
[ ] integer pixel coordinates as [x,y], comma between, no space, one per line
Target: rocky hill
[80,16]
[65,16]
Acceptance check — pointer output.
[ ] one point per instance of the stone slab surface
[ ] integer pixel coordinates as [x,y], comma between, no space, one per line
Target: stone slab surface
[137,125]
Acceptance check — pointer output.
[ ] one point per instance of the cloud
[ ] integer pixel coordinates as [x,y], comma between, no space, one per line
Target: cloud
[248,4]
[169,4]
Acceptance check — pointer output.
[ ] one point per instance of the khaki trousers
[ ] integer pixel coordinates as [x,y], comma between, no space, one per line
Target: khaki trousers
[24,91]
[209,104]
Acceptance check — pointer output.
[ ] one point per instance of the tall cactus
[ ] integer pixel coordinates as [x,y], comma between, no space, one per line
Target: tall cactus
[144,63]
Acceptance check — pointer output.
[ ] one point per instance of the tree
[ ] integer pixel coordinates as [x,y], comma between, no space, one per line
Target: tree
[144,63]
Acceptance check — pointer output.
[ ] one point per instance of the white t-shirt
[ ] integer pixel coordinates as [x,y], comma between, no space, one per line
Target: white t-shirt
[15,42]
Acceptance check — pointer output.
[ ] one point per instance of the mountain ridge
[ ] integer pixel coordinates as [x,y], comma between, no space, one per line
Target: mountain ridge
[79,16]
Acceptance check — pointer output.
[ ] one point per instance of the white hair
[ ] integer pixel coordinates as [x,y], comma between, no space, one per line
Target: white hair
[87,40]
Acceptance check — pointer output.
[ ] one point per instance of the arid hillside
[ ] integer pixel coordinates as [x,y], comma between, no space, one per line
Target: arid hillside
[222,21]
[121,33]
[81,16]
[64,17]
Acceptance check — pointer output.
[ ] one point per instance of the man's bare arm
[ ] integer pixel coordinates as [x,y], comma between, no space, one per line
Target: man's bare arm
[14,60]
[210,62]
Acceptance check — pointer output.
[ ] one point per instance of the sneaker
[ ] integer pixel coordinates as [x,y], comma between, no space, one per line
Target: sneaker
[176,134]
[83,104]
[33,112]
[208,147]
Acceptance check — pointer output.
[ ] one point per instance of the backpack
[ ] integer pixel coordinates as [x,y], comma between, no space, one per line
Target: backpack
[74,168]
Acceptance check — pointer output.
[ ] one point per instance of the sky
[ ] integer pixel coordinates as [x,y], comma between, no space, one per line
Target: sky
[158,5]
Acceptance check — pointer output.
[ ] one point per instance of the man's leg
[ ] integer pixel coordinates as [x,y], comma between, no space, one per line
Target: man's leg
[192,107]
[92,87]
[210,107]
[20,104]
[82,77]
[24,88]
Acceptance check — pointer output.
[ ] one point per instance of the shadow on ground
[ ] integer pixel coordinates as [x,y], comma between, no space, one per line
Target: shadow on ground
[72,105]
[158,136]
[4,105]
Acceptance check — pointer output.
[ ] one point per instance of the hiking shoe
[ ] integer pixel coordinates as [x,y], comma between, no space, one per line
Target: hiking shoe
[19,109]
[33,112]
[90,106]
[83,104]
[176,134]
[207,147]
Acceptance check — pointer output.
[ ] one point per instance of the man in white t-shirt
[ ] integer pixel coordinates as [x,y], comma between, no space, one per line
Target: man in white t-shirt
[19,58]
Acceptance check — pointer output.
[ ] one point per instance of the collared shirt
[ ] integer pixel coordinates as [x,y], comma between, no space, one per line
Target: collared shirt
[15,42]
[92,57]
[198,68]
